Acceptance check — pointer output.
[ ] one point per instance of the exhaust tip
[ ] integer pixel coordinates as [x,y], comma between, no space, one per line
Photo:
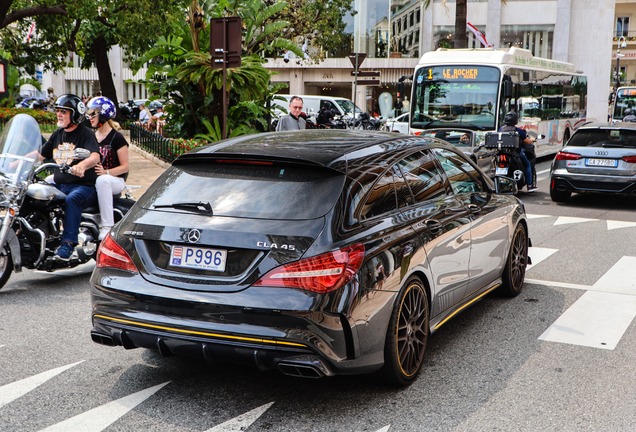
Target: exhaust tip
[299,371]
[102,339]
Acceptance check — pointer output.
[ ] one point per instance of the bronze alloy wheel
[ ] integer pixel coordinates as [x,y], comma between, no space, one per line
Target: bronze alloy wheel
[515,270]
[407,335]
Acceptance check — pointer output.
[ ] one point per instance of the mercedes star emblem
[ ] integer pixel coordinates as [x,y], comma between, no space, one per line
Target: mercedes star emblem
[194,235]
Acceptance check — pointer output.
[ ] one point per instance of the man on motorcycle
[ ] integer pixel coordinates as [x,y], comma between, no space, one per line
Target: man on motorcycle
[510,120]
[324,115]
[79,183]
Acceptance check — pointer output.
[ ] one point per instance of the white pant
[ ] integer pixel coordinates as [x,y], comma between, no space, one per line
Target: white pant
[107,186]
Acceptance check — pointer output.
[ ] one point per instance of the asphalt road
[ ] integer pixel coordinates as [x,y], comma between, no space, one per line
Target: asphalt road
[493,368]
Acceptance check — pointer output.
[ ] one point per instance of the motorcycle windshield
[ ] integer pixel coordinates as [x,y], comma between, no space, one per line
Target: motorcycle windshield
[20,147]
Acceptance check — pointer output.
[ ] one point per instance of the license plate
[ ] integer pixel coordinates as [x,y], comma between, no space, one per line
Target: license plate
[602,162]
[501,171]
[198,258]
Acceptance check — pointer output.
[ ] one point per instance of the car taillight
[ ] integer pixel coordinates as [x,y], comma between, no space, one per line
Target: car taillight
[629,159]
[321,274]
[110,254]
[567,156]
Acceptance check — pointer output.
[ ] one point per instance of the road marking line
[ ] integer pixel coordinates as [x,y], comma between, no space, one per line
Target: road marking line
[612,224]
[10,392]
[241,422]
[538,254]
[562,220]
[543,171]
[384,429]
[103,416]
[596,320]
[536,216]
[621,277]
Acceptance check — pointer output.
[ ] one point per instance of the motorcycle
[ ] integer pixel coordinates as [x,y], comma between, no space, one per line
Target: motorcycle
[508,162]
[31,228]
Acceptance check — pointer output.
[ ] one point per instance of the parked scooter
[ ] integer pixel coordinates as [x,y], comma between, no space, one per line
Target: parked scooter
[31,229]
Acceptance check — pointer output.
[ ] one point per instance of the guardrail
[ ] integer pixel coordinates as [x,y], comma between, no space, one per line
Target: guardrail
[164,148]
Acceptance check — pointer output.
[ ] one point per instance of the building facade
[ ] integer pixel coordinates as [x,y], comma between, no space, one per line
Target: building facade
[395,33]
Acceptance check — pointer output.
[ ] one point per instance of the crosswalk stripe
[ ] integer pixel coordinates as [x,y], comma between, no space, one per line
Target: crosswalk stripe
[563,220]
[538,254]
[596,319]
[619,278]
[536,216]
[384,429]
[242,422]
[103,416]
[612,224]
[10,392]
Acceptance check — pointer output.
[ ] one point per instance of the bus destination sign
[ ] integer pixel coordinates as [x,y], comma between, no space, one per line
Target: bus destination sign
[460,73]
[627,92]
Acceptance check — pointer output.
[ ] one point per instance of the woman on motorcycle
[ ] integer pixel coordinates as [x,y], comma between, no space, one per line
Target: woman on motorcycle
[112,171]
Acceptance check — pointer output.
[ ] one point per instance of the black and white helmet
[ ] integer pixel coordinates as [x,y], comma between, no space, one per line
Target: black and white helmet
[74,104]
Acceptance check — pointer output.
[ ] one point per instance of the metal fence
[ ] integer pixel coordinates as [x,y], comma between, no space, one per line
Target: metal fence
[164,148]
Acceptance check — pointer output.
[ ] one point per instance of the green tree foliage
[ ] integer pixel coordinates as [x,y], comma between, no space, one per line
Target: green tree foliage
[88,27]
[180,66]
[14,82]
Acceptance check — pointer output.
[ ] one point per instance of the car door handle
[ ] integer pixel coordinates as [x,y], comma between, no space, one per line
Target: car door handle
[433,225]
[474,209]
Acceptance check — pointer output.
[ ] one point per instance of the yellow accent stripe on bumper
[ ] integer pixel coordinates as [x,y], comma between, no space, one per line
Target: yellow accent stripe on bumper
[200,333]
[465,306]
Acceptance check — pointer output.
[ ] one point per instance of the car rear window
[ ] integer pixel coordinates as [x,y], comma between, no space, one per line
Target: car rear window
[274,191]
[603,138]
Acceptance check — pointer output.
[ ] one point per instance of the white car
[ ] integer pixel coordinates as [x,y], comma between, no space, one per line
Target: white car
[398,124]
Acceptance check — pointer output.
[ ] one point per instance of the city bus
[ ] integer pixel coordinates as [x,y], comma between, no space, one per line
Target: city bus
[472,89]
[625,98]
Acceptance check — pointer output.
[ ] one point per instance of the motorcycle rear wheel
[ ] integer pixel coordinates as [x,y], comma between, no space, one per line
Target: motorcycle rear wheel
[6,268]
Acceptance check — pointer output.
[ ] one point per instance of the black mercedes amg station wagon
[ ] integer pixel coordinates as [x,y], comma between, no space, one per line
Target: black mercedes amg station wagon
[314,252]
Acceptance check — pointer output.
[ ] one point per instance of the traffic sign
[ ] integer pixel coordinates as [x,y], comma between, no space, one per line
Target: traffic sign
[360,59]
[367,74]
[369,82]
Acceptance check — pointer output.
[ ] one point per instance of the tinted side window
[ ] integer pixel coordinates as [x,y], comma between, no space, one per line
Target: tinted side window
[381,199]
[404,197]
[423,176]
[464,178]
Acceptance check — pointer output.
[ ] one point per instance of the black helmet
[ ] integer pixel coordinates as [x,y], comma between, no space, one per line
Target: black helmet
[511,118]
[73,103]
[628,111]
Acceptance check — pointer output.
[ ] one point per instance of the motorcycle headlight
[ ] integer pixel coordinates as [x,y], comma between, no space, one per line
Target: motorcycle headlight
[11,191]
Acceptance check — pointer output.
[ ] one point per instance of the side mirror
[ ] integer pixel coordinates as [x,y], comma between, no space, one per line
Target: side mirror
[507,89]
[81,154]
[505,186]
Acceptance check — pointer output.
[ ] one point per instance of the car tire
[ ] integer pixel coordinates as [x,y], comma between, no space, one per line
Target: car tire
[559,196]
[407,335]
[516,262]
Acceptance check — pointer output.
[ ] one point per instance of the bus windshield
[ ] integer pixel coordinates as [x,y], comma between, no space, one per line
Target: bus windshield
[625,98]
[456,96]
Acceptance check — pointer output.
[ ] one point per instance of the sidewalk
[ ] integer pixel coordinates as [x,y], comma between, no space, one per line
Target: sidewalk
[144,169]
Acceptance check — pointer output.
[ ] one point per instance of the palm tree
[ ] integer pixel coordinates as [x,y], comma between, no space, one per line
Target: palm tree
[461,40]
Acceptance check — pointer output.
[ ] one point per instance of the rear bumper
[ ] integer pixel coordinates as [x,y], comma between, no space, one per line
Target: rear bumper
[298,341]
[587,183]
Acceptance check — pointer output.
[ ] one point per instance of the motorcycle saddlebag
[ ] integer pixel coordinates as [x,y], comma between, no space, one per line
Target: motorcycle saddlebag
[507,140]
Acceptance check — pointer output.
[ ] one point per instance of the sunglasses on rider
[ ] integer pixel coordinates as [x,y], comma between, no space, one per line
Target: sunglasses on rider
[61,111]
[91,114]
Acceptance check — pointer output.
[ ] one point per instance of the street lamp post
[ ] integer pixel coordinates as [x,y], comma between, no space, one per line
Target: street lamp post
[621,44]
